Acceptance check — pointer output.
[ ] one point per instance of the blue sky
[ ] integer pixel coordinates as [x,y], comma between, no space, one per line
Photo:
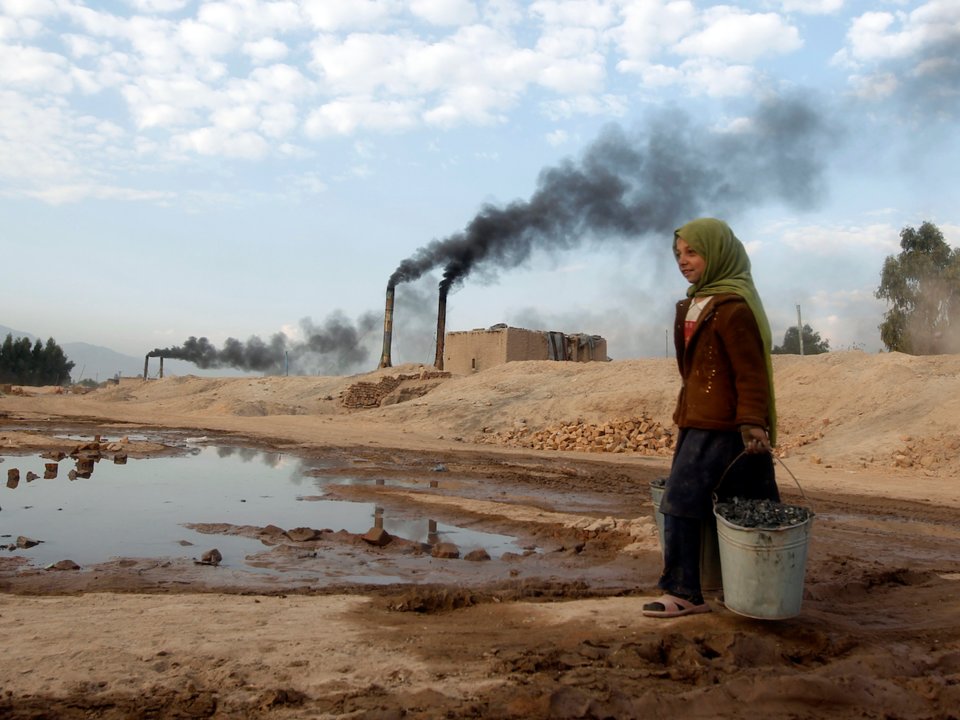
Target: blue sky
[239,169]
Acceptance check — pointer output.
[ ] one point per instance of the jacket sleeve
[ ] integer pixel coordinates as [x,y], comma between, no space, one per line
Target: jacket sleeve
[744,347]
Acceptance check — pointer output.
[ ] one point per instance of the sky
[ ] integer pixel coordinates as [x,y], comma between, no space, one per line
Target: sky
[253,174]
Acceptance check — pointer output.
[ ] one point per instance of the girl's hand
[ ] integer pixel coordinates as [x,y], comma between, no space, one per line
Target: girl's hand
[755,440]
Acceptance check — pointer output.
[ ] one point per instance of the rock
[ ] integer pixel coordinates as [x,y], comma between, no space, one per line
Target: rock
[63,565]
[303,534]
[211,557]
[477,555]
[377,536]
[25,542]
[445,550]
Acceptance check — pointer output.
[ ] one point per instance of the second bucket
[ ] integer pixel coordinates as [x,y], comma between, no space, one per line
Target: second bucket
[711,576]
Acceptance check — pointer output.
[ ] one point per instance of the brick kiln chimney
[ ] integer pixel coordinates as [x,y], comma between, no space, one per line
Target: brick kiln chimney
[441,326]
[387,328]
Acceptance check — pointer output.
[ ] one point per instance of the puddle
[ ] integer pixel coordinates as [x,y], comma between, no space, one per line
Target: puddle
[139,508]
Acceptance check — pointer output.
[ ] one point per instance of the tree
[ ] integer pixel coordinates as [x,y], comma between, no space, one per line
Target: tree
[26,363]
[922,284]
[812,344]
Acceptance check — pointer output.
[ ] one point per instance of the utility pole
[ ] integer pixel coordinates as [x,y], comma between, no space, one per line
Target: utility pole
[799,330]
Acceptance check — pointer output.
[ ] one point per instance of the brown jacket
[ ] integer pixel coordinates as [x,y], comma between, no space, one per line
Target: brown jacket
[723,368]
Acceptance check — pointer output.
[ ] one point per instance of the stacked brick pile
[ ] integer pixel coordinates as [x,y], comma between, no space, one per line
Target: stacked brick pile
[641,435]
[363,395]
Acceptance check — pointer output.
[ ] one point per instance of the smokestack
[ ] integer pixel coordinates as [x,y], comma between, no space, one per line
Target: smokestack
[387,327]
[441,325]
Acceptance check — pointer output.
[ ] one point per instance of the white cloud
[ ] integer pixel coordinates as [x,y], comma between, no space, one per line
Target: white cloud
[30,67]
[346,115]
[578,13]
[568,41]
[204,40]
[734,35]
[502,14]
[331,15]
[158,6]
[874,87]
[704,76]
[279,120]
[813,7]
[34,141]
[476,104]
[309,184]
[20,28]
[266,50]
[910,54]
[557,137]
[361,63]
[885,35]
[83,46]
[444,12]
[59,194]
[573,76]
[648,27]
[275,83]
[819,240]
[235,117]
[167,102]
[475,74]
[590,105]
[222,141]
[28,8]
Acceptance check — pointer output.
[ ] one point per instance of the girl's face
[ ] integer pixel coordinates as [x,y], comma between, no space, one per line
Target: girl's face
[691,264]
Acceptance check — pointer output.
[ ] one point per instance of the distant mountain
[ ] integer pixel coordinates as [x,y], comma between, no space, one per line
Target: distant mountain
[97,363]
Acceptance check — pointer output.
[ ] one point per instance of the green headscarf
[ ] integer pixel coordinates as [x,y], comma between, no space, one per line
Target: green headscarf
[728,271]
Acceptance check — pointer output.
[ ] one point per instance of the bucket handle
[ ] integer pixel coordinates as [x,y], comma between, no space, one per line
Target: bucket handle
[744,452]
[802,493]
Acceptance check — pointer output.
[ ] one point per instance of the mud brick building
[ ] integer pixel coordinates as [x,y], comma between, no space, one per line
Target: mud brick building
[470,351]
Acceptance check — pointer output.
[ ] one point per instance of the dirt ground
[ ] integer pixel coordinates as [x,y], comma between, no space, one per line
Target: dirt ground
[342,628]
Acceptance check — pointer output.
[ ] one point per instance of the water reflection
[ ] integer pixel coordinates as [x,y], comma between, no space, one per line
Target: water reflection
[102,508]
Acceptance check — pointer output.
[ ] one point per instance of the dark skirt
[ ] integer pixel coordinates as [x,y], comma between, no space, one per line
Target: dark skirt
[708,462]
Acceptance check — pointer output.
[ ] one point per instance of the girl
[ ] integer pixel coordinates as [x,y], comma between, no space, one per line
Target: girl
[725,412]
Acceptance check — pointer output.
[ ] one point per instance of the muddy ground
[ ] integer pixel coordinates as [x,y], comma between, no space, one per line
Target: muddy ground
[553,631]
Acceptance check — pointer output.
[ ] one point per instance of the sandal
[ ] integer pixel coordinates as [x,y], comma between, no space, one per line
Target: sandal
[669,606]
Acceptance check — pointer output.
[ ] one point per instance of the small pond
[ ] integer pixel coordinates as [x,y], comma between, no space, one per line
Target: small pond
[139,508]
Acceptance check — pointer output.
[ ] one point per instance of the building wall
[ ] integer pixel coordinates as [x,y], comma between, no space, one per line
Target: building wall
[470,351]
[525,344]
[585,348]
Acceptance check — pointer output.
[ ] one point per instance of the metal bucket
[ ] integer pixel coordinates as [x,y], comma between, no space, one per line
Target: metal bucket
[711,577]
[763,569]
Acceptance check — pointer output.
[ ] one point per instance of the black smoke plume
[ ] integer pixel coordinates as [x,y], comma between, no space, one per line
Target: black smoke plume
[331,348]
[628,185]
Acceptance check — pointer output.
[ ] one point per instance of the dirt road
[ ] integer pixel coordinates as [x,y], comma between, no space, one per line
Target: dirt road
[553,631]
